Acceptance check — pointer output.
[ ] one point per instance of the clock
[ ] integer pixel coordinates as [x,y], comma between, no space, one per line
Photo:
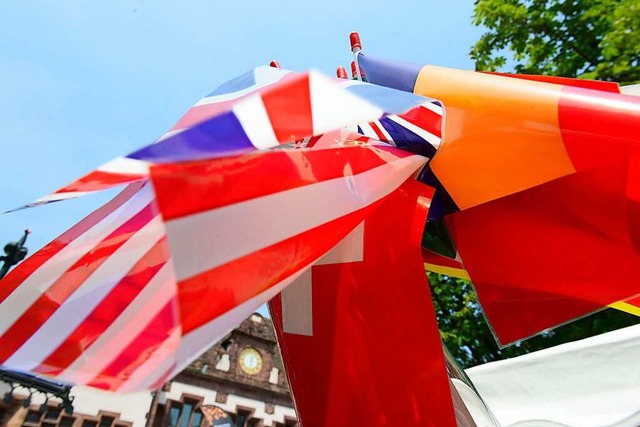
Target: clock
[250,361]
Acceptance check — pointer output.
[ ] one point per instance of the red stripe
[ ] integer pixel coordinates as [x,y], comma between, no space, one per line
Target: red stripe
[231,284]
[289,109]
[566,81]
[139,351]
[44,307]
[108,310]
[425,119]
[313,140]
[236,179]
[100,180]
[19,274]
[378,132]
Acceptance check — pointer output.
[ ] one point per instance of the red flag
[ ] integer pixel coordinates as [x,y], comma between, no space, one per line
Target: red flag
[358,335]
[548,255]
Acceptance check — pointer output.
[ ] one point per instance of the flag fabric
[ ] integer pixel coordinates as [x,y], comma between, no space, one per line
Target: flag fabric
[263,109]
[545,176]
[547,255]
[87,306]
[239,249]
[351,338]
[509,134]
[280,179]
[418,130]
[101,304]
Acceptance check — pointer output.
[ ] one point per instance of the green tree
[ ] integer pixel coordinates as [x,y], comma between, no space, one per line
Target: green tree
[595,39]
[468,337]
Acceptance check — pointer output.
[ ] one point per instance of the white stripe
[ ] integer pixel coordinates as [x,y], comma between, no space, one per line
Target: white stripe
[368,131]
[41,279]
[206,240]
[334,107]
[226,97]
[154,368]
[86,298]
[633,90]
[170,134]
[199,340]
[124,329]
[125,165]
[264,76]
[383,131]
[422,133]
[54,197]
[433,107]
[254,119]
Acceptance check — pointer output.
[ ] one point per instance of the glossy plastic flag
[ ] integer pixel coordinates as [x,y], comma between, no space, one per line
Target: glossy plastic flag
[357,330]
[545,176]
[295,183]
[102,305]
[267,108]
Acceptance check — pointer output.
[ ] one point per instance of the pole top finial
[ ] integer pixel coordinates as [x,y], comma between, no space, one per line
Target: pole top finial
[356,45]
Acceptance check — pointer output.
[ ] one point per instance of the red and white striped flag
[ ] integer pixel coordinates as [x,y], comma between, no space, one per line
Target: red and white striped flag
[101,305]
[236,244]
[88,306]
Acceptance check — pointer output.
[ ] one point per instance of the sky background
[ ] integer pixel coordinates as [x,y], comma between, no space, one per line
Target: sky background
[82,82]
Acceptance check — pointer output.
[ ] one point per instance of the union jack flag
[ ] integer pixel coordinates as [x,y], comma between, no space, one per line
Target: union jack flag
[102,304]
[268,107]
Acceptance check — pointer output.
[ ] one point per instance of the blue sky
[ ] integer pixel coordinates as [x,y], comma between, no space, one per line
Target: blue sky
[83,81]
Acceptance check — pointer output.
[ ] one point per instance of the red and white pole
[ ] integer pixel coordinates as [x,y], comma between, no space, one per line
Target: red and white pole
[341,73]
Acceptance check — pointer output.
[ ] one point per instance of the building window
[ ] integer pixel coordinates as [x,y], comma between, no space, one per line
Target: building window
[243,418]
[106,419]
[52,416]
[288,422]
[66,421]
[185,413]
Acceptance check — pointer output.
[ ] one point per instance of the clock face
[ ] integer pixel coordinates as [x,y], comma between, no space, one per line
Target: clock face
[250,361]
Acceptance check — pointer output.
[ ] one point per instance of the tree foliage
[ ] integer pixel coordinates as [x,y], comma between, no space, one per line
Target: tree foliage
[467,335]
[596,39]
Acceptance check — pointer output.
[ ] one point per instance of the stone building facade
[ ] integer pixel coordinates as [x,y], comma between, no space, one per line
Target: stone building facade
[238,382]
